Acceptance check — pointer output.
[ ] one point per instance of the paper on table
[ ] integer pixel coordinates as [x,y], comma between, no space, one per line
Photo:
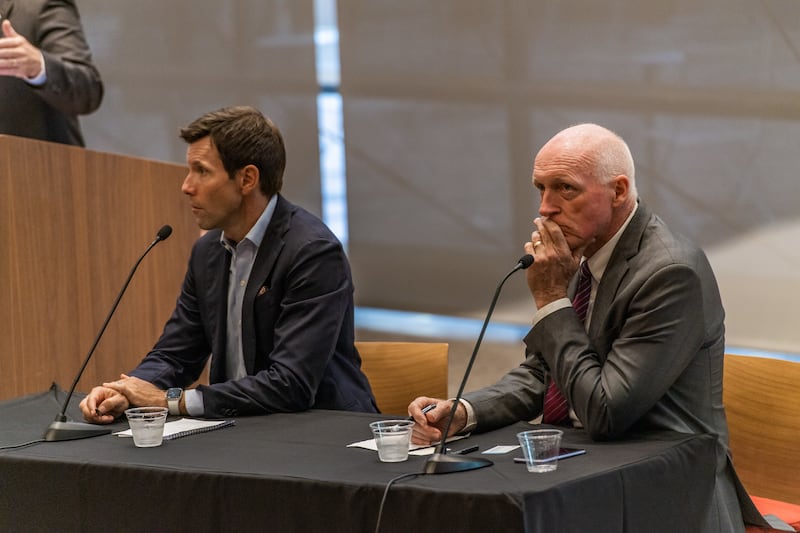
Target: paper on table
[370,444]
[185,426]
[501,449]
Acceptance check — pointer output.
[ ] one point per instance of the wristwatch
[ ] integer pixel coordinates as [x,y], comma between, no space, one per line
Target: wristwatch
[174,395]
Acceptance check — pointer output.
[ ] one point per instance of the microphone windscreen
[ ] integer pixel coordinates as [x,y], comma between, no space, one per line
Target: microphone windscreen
[525,261]
[165,232]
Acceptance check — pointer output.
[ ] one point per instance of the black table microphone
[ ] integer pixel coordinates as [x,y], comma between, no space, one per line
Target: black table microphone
[440,462]
[61,428]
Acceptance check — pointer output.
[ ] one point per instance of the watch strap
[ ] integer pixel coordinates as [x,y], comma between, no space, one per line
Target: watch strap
[174,401]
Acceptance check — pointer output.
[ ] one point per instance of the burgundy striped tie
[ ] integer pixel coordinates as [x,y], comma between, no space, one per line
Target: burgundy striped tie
[556,408]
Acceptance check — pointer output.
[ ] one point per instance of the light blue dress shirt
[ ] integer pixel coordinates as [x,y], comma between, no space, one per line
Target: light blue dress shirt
[243,255]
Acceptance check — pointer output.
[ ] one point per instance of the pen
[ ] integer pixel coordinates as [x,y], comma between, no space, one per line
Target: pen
[465,451]
[429,407]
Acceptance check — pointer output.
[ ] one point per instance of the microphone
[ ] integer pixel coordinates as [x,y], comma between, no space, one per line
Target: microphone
[440,462]
[61,428]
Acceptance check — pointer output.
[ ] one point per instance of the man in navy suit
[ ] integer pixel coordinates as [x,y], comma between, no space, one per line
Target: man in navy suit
[268,293]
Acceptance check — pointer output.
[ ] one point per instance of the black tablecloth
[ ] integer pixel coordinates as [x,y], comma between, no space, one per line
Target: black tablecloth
[293,472]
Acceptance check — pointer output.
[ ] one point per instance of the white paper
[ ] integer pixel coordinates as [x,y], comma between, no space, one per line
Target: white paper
[500,449]
[370,444]
[179,426]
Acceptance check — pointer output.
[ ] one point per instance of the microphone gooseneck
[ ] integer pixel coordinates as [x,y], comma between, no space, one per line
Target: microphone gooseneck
[440,462]
[61,428]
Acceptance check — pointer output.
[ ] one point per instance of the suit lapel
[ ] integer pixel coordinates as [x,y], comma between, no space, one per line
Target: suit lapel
[216,287]
[257,285]
[627,247]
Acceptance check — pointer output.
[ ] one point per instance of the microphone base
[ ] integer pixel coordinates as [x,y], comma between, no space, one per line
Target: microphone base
[58,431]
[440,463]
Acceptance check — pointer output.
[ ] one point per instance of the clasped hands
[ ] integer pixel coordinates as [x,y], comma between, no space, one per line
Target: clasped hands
[18,57]
[108,401]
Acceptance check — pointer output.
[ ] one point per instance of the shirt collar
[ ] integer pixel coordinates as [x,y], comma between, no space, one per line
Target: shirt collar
[256,233]
[599,261]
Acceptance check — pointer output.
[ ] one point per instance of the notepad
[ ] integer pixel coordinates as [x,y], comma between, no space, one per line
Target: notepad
[186,426]
[415,449]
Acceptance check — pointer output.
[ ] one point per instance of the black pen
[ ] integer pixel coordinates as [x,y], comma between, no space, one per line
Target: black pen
[425,409]
[465,451]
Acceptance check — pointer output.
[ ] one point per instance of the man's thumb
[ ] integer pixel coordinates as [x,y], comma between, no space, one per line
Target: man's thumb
[8,29]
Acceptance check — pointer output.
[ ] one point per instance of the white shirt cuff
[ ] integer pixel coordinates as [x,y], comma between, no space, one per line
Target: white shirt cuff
[193,400]
[42,77]
[552,307]
[471,421]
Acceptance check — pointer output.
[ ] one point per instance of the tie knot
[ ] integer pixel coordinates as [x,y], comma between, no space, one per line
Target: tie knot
[585,272]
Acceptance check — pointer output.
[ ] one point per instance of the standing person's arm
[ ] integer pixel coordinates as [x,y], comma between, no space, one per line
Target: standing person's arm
[52,54]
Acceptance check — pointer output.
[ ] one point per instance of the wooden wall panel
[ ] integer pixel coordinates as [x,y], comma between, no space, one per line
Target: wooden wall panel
[72,224]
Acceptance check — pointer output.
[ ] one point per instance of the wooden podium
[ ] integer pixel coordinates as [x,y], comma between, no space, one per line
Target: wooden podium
[72,224]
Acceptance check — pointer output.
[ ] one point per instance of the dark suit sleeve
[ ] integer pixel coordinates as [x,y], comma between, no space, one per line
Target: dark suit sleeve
[299,322]
[516,396]
[73,83]
[179,356]
[657,329]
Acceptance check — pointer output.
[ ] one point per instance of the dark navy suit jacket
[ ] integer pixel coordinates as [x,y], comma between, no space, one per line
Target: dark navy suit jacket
[297,325]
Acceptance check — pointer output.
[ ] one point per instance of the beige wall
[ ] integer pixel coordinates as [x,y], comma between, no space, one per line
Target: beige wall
[446,102]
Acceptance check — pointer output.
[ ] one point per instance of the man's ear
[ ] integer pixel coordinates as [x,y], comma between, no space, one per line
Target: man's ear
[622,188]
[250,179]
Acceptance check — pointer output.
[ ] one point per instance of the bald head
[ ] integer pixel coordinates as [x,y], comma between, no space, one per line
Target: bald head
[585,178]
[594,150]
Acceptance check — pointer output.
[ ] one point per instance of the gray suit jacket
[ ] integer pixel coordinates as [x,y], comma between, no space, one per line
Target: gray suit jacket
[73,86]
[651,361]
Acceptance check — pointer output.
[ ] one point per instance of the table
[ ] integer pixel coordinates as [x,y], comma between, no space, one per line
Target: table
[293,472]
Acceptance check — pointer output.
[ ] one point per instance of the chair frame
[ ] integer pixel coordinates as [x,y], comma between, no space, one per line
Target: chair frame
[762,404]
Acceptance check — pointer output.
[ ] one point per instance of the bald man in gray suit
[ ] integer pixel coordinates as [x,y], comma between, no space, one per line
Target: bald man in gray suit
[649,356]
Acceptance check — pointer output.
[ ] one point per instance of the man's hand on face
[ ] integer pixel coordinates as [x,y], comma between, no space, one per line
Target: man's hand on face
[554,263]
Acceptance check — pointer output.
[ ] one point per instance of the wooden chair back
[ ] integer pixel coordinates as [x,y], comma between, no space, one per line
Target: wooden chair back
[762,403]
[401,371]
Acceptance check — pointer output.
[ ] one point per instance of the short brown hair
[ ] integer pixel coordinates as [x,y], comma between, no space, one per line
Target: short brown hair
[243,136]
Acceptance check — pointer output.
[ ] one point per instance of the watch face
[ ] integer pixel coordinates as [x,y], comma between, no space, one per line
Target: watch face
[174,394]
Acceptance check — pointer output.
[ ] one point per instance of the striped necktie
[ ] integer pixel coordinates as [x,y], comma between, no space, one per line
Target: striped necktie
[556,408]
